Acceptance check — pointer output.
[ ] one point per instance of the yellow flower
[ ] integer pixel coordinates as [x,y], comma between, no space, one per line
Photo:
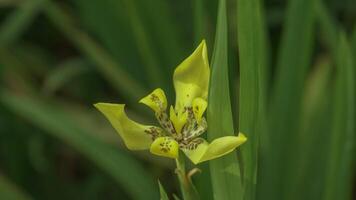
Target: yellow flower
[185,123]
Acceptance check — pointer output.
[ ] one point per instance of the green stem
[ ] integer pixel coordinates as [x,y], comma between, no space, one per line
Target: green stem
[187,188]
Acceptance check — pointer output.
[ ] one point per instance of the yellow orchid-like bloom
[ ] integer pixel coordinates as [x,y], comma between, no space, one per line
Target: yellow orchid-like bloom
[184,124]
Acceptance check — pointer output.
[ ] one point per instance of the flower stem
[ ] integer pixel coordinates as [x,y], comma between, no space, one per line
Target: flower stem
[187,188]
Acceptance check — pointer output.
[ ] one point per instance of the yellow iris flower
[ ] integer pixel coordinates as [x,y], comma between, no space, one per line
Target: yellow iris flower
[184,124]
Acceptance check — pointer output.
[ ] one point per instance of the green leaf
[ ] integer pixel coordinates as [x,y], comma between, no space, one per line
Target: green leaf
[122,167]
[338,183]
[202,182]
[328,26]
[109,68]
[281,144]
[144,45]
[9,191]
[162,192]
[199,20]
[166,33]
[315,125]
[252,86]
[225,171]
[353,45]
[175,197]
[64,73]
[19,20]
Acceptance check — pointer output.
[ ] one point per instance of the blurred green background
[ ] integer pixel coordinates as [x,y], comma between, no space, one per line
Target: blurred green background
[59,57]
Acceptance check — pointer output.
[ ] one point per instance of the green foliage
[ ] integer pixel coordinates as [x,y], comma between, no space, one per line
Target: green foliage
[342,139]
[295,97]
[10,191]
[225,171]
[162,192]
[17,22]
[294,58]
[129,174]
[252,87]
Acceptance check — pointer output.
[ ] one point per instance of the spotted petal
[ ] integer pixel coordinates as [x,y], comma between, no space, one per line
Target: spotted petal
[200,150]
[191,78]
[178,120]
[165,146]
[135,136]
[156,100]
[199,106]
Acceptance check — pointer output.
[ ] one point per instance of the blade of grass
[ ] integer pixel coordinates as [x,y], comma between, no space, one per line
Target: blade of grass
[202,182]
[18,21]
[106,21]
[127,172]
[353,45]
[162,192]
[199,22]
[168,35]
[338,183]
[328,26]
[225,171]
[252,61]
[293,61]
[316,127]
[9,191]
[110,69]
[64,73]
[143,45]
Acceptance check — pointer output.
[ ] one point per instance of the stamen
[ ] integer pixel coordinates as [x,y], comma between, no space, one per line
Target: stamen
[154,132]
[193,129]
[164,121]
[193,144]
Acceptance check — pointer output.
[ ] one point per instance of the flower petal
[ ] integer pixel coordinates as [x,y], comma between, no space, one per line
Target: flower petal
[196,149]
[191,78]
[194,129]
[199,106]
[136,136]
[165,146]
[178,120]
[217,148]
[156,100]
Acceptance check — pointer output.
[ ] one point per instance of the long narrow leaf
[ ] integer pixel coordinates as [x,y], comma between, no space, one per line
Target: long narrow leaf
[162,192]
[64,73]
[315,125]
[165,29]
[328,26]
[144,45]
[20,19]
[277,180]
[252,60]
[9,191]
[225,171]
[339,169]
[125,170]
[119,78]
[199,22]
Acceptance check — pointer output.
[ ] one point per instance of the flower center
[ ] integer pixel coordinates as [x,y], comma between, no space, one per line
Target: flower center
[182,126]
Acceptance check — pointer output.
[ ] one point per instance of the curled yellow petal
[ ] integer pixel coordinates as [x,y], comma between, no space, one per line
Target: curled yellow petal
[196,149]
[191,78]
[135,136]
[156,100]
[178,120]
[199,106]
[165,146]
[217,148]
